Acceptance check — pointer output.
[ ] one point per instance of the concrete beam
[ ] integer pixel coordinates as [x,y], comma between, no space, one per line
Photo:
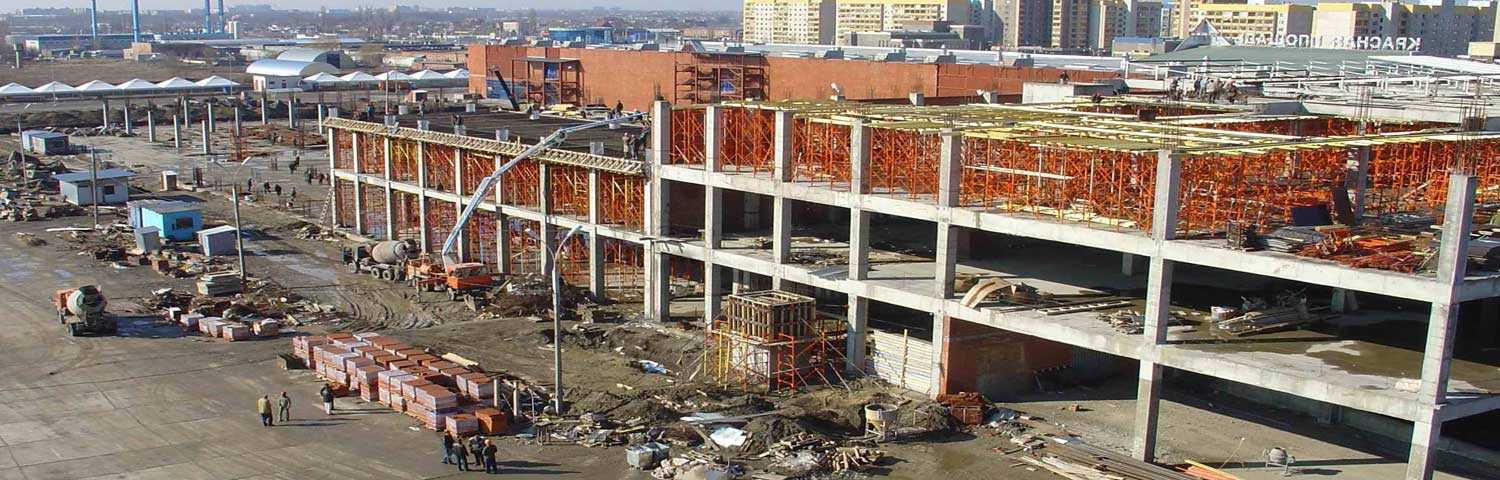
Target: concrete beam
[658,275]
[950,168]
[782,146]
[1157,309]
[713,137]
[859,244]
[947,259]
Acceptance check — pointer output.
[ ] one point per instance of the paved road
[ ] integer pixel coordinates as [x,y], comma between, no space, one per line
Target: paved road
[151,404]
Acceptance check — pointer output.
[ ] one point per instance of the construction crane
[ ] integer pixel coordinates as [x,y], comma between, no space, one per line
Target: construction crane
[556,138]
[515,104]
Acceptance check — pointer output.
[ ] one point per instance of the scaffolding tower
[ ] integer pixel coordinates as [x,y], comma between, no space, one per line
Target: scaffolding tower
[772,340]
[712,77]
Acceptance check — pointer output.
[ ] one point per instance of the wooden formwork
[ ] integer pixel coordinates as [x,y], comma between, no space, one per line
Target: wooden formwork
[770,314]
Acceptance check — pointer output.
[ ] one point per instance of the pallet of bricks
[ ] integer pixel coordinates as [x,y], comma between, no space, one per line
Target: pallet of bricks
[440,394]
[229,329]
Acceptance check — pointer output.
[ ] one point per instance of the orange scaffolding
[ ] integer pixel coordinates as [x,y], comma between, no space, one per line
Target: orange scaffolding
[748,143]
[773,340]
[570,190]
[904,161]
[687,137]
[1113,188]
[520,184]
[373,210]
[622,200]
[820,152]
[439,160]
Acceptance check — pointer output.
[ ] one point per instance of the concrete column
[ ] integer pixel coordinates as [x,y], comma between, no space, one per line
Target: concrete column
[206,148]
[150,124]
[359,191]
[859,157]
[713,122]
[208,115]
[859,184]
[596,242]
[105,110]
[465,252]
[330,139]
[320,115]
[713,302]
[177,134]
[658,275]
[949,172]
[1442,324]
[265,110]
[238,124]
[182,107]
[1157,311]
[126,112]
[939,352]
[859,321]
[291,112]
[1359,178]
[1128,264]
[502,223]
[423,238]
[947,259]
[544,201]
[781,218]
[385,154]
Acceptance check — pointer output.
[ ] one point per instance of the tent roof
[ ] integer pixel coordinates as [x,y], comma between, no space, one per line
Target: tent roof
[216,81]
[135,84]
[287,68]
[95,86]
[428,75]
[322,77]
[359,77]
[14,89]
[55,87]
[460,73]
[175,82]
[393,76]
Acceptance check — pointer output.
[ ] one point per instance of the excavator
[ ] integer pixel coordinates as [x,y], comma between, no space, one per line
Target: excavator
[464,280]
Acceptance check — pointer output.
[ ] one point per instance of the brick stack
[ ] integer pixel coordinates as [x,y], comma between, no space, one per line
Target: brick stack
[234,331]
[475,386]
[431,404]
[266,327]
[492,421]
[211,326]
[366,379]
[462,424]
[302,347]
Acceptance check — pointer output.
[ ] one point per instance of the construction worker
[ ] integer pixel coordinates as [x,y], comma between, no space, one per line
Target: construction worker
[476,446]
[264,407]
[461,453]
[447,448]
[327,394]
[489,457]
[277,188]
[284,405]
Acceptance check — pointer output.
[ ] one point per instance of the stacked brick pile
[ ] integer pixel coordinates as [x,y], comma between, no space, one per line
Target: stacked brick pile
[438,393]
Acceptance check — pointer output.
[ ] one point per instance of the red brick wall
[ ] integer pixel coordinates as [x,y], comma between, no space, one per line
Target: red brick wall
[634,77]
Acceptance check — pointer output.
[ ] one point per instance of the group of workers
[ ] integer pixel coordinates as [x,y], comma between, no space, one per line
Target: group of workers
[457,449]
[283,406]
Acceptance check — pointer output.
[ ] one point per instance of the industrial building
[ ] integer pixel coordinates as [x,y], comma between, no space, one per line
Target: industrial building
[942,226]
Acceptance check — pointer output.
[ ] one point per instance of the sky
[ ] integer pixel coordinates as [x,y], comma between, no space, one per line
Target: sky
[11,5]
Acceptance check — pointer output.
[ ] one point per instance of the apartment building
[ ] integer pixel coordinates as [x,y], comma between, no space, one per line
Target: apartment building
[789,21]
[1023,23]
[1070,24]
[1187,12]
[1442,29]
[1263,21]
[855,16]
[1148,18]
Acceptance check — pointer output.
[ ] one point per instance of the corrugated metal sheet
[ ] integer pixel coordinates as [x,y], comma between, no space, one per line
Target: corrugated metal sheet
[901,360]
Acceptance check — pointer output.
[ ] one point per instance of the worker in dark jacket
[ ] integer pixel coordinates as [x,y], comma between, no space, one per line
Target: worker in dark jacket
[489,457]
[461,452]
[327,394]
[447,448]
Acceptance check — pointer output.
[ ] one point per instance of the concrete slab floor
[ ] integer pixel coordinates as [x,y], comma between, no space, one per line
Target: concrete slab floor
[1221,430]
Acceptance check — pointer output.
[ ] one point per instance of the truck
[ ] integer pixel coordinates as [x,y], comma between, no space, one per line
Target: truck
[86,304]
[466,281]
[385,260]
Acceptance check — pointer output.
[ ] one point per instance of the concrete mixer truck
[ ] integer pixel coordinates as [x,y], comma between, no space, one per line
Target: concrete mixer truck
[86,304]
[385,260]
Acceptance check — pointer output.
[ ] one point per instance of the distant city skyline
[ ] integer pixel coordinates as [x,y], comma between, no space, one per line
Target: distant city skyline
[699,5]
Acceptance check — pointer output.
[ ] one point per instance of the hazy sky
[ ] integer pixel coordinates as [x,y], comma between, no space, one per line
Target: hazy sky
[10,5]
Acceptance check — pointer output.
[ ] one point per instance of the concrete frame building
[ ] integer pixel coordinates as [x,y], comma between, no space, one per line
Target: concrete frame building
[851,16]
[709,190]
[1444,29]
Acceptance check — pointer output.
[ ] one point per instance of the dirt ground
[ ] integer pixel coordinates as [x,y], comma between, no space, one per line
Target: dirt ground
[76,71]
[601,370]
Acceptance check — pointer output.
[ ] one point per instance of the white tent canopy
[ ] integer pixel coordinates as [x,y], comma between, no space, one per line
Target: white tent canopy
[55,87]
[393,76]
[175,82]
[321,77]
[14,89]
[359,77]
[136,84]
[216,81]
[460,73]
[95,86]
[428,75]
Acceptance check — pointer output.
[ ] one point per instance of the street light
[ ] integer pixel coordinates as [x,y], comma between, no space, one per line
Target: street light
[557,320]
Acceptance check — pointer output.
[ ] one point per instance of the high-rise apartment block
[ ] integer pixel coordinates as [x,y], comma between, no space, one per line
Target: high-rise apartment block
[829,21]
[789,21]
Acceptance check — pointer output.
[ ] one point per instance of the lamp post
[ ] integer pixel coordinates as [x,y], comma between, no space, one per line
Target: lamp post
[557,320]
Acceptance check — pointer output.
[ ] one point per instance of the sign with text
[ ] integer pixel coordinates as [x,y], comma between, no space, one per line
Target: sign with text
[1343,42]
